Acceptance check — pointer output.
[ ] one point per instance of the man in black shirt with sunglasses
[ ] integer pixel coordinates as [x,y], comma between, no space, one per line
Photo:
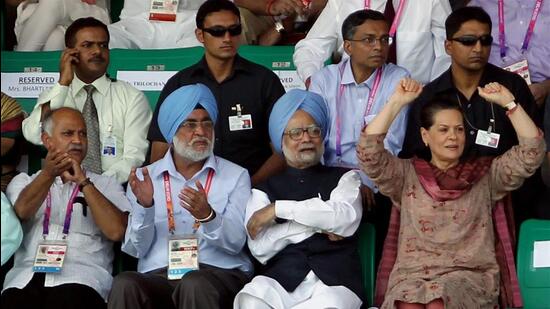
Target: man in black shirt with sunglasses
[245,93]
[469,45]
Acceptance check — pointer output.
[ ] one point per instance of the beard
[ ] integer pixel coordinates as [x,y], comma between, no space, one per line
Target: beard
[304,159]
[186,150]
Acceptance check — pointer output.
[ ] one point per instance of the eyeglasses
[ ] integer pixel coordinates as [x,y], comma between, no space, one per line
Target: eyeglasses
[371,40]
[298,133]
[219,31]
[191,125]
[471,40]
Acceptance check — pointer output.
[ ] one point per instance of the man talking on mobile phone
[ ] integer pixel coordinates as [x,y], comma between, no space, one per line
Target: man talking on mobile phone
[116,114]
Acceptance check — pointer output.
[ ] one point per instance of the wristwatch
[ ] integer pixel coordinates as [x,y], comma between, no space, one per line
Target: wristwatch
[84,183]
[279,27]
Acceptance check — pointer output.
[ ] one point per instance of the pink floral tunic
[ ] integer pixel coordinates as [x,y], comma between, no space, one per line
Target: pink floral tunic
[446,249]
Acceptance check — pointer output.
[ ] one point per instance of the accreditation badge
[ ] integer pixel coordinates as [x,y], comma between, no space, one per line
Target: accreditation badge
[522,69]
[163,10]
[183,255]
[108,147]
[488,139]
[50,256]
[240,122]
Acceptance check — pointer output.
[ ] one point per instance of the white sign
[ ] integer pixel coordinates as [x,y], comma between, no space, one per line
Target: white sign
[541,254]
[290,79]
[146,80]
[27,85]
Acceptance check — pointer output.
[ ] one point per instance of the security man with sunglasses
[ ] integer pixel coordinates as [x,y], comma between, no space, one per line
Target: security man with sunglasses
[245,93]
[469,45]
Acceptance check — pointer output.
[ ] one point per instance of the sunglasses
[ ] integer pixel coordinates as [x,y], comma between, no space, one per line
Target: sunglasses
[219,31]
[471,40]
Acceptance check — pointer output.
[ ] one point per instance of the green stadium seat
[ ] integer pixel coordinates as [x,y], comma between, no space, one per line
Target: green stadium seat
[116,8]
[534,282]
[367,254]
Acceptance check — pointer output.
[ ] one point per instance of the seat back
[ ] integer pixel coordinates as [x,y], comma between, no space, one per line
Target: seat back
[367,254]
[533,281]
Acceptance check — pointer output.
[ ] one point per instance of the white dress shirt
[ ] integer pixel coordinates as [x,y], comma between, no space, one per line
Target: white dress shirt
[89,255]
[420,37]
[341,215]
[122,111]
[352,108]
[220,241]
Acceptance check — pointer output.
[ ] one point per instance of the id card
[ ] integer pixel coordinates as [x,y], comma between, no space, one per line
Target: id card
[163,10]
[50,257]
[487,139]
[242,122]
[183,256]
[522,69]
[108,148]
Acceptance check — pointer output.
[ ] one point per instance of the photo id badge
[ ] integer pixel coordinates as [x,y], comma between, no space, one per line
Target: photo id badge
[108,148]
[50,257]
[183,256]
[242,122]
[163,10]
[522,69]
[487,139]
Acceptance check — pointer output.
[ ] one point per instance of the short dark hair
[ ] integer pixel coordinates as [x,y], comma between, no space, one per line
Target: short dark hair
[435,105]
[462,15]
[212,6]
[79,24]
[358,18]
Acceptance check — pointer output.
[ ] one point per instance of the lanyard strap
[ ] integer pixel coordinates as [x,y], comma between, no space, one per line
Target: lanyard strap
[397,17]
[366,4]
[528,34]
[370,103]
[68,213]
[168,195]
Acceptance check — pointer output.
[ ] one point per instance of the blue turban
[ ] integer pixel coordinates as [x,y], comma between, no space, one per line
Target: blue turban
[287,105]
[180,103]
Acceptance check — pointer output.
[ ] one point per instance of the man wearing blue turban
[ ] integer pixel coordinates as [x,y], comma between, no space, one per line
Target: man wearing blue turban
[186,226]
[302,223]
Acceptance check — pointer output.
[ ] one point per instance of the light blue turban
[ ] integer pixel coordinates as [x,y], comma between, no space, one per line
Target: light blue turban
[180,103]
[287,105]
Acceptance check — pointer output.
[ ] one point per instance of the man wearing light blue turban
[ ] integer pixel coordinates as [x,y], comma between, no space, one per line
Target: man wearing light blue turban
[302,222]
[188,192]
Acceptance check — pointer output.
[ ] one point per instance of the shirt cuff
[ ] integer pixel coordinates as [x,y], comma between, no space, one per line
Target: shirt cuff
[142,215]
[57,90]
[283,209]
[213,225]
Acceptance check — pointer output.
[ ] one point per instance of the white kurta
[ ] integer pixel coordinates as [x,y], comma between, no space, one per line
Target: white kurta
[341,215]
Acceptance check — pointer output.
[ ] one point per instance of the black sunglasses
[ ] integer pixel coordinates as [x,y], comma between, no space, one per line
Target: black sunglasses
[471,40]
[219,31]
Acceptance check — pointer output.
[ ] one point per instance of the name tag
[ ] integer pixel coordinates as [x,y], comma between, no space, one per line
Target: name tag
[487,139]
[242,122]
[522,69]
[183,256]
[108,148]
[163,10]
[50,257]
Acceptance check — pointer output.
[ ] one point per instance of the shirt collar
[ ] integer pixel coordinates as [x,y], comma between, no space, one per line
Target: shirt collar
[445,81]
[167,164]
[101,84]
[201,67]
[347,76]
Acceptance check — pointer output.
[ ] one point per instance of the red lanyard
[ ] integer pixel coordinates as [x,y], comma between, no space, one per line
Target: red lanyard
[370,103]
[68,214]
[168,195]
[528,34]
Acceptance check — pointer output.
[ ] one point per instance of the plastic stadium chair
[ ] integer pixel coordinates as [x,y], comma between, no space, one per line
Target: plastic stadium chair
[367,254]
[534,282]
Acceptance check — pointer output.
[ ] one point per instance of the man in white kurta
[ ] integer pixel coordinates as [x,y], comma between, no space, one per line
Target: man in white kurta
[302,222]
